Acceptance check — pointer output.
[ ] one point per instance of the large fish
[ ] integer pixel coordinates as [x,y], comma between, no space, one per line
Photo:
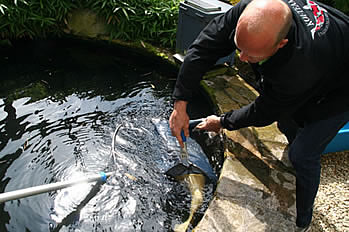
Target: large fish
[196,175]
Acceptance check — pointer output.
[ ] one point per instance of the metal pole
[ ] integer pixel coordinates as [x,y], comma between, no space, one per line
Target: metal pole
[17,194]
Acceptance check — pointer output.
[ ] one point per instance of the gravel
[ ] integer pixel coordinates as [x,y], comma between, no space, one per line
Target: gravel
[331,210]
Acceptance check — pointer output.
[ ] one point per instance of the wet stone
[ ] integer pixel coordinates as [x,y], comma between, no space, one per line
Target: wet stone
[244,203]
[256,190]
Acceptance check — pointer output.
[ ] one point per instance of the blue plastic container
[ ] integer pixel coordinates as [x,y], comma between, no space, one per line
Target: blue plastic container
[340,142]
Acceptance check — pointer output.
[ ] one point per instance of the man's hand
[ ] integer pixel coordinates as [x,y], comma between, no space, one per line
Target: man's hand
[211,123]
[179,120]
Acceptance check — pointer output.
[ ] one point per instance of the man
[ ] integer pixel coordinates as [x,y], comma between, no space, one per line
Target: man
[299,51]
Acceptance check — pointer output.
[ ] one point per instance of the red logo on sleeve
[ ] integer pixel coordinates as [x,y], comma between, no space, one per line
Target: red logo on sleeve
[320,16]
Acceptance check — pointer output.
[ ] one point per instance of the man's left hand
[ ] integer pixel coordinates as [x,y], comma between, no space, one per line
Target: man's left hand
[211,123]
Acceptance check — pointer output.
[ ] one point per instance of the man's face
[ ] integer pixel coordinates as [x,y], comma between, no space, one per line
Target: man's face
[254,50]
[258,30]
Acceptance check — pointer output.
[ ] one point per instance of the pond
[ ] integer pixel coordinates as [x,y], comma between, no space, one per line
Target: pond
[60,103]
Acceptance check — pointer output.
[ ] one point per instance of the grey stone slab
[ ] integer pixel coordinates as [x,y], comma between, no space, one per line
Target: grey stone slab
[244,203]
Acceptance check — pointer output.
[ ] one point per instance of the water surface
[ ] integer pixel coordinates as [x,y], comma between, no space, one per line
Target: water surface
[60,102]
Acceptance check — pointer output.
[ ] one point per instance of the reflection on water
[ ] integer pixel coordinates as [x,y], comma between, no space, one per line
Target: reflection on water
[58,111]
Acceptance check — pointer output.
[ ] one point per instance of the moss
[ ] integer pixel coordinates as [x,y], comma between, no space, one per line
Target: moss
[146,49]
[36,91]
[210,92]
[217,71]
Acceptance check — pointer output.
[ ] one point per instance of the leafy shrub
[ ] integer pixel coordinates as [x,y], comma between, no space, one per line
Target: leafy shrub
[20,18]
[149,20]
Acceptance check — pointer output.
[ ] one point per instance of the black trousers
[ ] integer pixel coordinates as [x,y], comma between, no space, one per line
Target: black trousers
[305,148]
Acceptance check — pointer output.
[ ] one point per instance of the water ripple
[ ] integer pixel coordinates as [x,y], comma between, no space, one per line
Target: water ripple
[67,134]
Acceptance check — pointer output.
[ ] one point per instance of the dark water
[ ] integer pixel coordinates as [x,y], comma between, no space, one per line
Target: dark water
[60,102]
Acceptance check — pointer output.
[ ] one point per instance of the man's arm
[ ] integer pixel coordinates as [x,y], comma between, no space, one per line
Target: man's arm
[214,42]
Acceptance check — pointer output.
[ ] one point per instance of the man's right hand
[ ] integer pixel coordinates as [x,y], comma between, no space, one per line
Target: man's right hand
[179,120]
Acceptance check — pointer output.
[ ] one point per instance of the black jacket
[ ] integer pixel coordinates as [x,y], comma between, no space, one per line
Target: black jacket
[306,80]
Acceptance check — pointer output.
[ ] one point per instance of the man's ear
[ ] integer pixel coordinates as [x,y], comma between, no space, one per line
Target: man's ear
[282,43]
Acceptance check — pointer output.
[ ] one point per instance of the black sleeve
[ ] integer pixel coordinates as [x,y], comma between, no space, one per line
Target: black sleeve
[285,92]
[214,41]
[261,112]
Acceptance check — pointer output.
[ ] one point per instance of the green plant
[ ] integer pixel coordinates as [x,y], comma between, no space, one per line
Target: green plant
[35,18]
[154,21]
[150,20]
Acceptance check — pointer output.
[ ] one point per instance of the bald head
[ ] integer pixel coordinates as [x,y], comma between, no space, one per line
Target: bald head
[263,24]
[266,16]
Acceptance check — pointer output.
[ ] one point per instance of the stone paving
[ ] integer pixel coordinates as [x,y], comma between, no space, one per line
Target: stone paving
[256,189]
